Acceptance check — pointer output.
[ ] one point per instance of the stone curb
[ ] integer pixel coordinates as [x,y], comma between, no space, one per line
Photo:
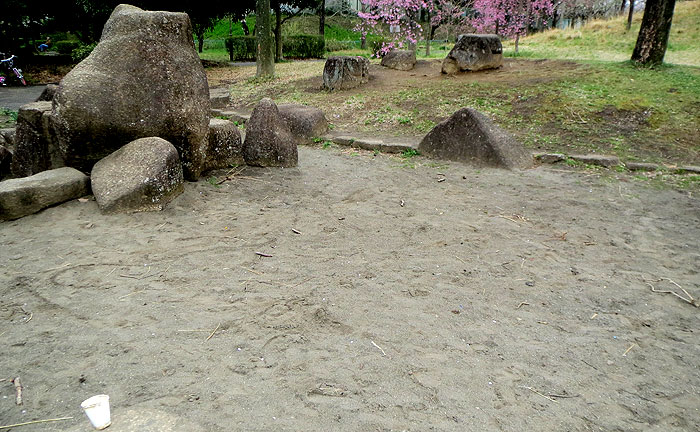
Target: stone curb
[370,144]
[608,161]
[234,116]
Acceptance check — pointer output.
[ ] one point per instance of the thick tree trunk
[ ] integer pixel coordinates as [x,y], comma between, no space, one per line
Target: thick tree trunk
[200,42]
[265,51]
[653,34]
[630,14]
[278,32]
[322,18]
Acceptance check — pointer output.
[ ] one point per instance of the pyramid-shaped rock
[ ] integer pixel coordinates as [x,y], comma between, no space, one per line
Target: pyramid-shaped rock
[268,140]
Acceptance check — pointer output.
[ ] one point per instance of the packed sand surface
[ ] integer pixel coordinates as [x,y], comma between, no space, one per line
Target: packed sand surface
[391,300]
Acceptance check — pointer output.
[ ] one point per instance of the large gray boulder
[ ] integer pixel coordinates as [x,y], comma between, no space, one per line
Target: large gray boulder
[474,52]
[404,60]
[24,196]
[224,148]
[35,146]
[268,140]
[305,122]
[341,73]
[144,175]
[144,78]
[469,136]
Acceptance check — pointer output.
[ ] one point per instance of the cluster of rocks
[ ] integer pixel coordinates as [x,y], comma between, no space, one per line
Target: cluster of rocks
[135,115]
[471,52]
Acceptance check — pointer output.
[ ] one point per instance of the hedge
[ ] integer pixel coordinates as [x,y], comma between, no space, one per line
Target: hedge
[66,46]
[242,48]
[303,46]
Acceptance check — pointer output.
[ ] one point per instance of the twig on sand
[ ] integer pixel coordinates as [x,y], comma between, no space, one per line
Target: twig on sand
[230,175]
[690,298]
[536,392]
[510,219]
[18,389]
[263,254]
[523,304]
[562,396]
[212,333]
[35,422]
[296,231]
[380,348]
[130,294]
[252,271]
[628,350]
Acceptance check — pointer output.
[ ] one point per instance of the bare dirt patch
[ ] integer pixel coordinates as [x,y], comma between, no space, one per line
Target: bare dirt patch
[488,301]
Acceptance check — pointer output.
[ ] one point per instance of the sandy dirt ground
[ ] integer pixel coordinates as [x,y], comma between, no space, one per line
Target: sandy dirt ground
[490,301]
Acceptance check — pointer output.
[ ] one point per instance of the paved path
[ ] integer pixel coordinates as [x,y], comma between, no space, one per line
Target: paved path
[14,97]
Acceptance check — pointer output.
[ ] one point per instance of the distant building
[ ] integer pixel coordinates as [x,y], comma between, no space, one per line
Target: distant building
[344,5]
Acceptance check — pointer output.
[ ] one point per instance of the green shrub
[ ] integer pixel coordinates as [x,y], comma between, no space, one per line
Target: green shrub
[376,45]
[303,46]
[241,48]
[335,45]
[66,46]
[79,54]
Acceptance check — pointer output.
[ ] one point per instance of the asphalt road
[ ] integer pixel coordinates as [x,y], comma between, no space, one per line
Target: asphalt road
[14,97]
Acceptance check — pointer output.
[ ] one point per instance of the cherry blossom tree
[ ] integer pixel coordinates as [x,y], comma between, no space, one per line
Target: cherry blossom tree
[398,20]
[510,18]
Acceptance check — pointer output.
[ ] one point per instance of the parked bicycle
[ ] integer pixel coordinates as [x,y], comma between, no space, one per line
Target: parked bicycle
[8,64]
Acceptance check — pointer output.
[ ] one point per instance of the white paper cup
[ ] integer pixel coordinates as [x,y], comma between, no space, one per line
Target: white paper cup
[97,410]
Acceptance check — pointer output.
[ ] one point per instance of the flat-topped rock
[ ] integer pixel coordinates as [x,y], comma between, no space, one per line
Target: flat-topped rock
[144,175]
[341,73]
[35,148]
[224,148]
[474,52]
[305,122]
[404,60]
[27,195]
[219,97]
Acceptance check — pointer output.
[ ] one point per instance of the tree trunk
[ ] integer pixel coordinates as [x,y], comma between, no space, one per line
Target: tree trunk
[653,34]
[246,30]
[278,32]
[200,41]
[265,59]
[429,36]
[622,7]
[629,16]
[322,18]
[517,40]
